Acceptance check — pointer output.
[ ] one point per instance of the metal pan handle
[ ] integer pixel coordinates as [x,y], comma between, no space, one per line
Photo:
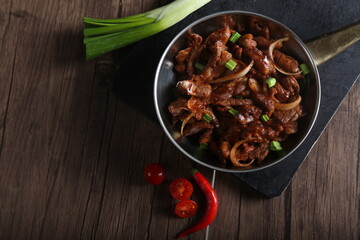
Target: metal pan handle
[328,45]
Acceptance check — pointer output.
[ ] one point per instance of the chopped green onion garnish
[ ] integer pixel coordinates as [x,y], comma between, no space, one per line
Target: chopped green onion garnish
[207,118]
[234,37]
[305,68]
[271,82]
[238,96]
[264,118]
[233,111]
[105,35]
[199,66]
[230,64]
[275,146]
[204,146]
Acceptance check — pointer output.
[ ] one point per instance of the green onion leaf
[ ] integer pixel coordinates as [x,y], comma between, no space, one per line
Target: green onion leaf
[207,118]
[104,35]
[233,111]
[264,118]
[234,37]
[271,82]
[231,64]
[238,96]
[95,31]
[204,146]
[199,66]
[275,146]
[304,68]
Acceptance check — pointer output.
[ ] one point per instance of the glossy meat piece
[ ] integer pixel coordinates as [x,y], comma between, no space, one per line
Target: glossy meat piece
[285,62]
[239,88]
[197,127]
[216,45]
[225,149]
[291,127]
[216,64]
[247,43]
[194,40]
[289,115]
[263,43]
[239,102]
[261,62]
[247,114]
[196,49]
[230,130]
[180,60]
[244,151]
[291,85]
[198,89]
[265,102]
[237,51]
[197,105]
[218,69]
[280,93]
[222,35]
[223,91]
[255,131]
[260,152]
[206,136]
[233,102]
[178,107]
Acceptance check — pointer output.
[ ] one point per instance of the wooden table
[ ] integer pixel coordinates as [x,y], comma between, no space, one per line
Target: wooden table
[72,154]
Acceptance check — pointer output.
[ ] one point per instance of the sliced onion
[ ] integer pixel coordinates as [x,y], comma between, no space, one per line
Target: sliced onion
[287,106]
[271,49]
[184,122]
[237,75]
[233,153]
[254,85]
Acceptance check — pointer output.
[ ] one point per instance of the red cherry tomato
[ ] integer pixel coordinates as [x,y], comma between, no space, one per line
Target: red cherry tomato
[154,173]
[181,188]
[186,208]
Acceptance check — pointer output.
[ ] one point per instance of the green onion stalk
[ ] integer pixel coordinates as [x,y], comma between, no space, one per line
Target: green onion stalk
[104,35]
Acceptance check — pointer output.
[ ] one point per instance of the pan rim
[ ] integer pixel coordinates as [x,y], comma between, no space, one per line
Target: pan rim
[294,36]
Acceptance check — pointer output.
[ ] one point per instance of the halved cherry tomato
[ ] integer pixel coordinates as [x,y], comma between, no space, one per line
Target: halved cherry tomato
[181,188]
[186,208]
[154,173]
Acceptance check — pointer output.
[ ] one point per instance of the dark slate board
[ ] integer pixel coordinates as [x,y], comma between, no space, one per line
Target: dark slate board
[308,20]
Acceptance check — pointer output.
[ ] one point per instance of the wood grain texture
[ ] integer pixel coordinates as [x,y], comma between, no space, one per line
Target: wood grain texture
[72,153]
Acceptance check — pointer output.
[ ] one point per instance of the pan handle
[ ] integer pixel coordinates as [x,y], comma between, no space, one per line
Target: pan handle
[328,45]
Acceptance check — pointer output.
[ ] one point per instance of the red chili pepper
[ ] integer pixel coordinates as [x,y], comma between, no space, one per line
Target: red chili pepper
[212,204]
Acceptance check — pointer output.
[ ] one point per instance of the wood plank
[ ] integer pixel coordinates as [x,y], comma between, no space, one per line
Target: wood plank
[229,193]
[45,130]
[261,218]
[124,196]
[325,192]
